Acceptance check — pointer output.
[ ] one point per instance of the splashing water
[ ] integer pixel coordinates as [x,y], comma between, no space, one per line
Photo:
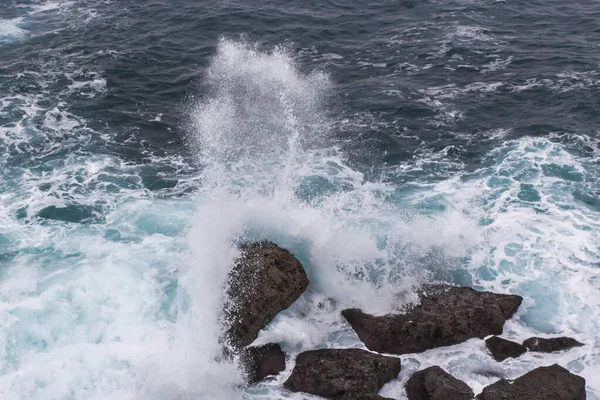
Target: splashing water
[129,307]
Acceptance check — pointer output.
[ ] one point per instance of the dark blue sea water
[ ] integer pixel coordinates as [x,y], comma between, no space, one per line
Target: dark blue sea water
[387,144]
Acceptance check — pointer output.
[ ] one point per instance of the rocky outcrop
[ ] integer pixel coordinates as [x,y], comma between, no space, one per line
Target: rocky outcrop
[550,345]
[265,280]
[434,383]
[502,349]
[444,316]
[342,373]
[262,361]
[544,383]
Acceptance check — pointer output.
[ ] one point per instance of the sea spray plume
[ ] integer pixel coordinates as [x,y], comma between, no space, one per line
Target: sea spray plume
[260,132]
[259,115]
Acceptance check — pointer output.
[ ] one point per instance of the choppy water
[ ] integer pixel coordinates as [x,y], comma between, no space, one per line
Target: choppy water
[386,144]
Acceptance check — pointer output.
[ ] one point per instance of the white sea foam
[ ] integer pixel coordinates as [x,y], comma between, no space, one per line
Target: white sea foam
[9,29]
[470,32]
[88,88]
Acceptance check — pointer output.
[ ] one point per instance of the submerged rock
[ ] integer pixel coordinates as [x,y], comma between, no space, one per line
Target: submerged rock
[434,383]
[444,316]
[262,361]
[550,345]
[342,373]
[502,349]
[265,280]
[544,383]
[72,213]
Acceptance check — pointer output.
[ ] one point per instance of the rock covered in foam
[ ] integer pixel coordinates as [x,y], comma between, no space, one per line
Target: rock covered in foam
[444,316]
[265,280]
[544,383]
[550,345]
[434,383]
[262,361]
[342,373]
[502,349]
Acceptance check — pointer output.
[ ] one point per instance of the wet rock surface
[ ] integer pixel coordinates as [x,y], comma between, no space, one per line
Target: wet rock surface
[502,349]
[342,373]
[265,280]
[551,345]
[544,383]
[262,361]
[434,383]
[444,316]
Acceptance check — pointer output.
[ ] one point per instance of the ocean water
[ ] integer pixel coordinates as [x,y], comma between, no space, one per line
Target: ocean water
[387,144]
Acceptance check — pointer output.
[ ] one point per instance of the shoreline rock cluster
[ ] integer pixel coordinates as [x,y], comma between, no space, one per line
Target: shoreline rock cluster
[501,349]
[267,279]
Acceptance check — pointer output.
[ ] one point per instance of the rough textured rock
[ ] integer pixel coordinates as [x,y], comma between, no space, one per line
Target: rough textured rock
[434,383]
[502,349]
[262,361]
[265,280]
[544,383]
[445,316]
[335,373]
[550,345]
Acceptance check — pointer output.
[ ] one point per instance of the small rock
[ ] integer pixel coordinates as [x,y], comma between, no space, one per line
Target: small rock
[502,349]
[551,345]
[434,383]
[544,383]
[444,316]
[335,373]
[265,280]
[262,361]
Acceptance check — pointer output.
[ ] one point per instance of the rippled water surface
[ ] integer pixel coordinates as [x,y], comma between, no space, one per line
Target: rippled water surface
[386,144]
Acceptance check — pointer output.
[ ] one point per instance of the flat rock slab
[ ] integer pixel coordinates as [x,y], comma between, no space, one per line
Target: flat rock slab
[342,373]
[265,280]
[502,349]
[544,383]
[551,345]
[262,361]
[444,316]
[434,383]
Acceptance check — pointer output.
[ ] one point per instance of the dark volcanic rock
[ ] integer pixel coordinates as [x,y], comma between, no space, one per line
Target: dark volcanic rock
[445,316]
[544,383]
[434,383]
[335,373]
[265,280]
[262,361]
[502,349]
[550,345]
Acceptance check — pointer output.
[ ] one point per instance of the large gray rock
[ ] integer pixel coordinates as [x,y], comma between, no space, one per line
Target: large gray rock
[265,280]
[444,316]
[262,361]
[550,345]
[502,349]
[342,373]
[434,383]
[544,383]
